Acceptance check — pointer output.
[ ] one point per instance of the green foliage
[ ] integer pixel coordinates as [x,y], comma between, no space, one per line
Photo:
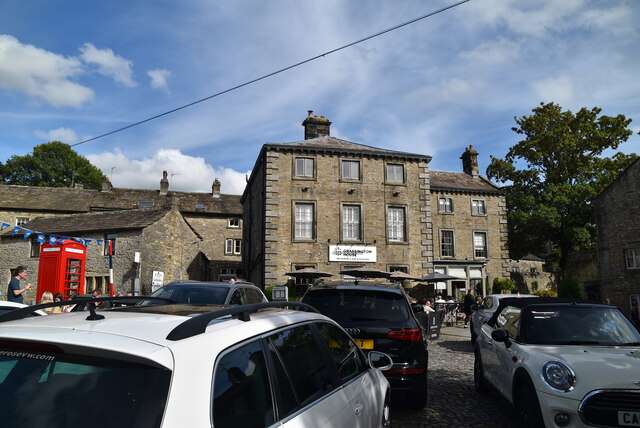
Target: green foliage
[546,293]
[51,165]
[552,175]
[569,286]
[534,286]
[502,284]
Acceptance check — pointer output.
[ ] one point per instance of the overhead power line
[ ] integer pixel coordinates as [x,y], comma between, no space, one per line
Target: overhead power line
[282,70]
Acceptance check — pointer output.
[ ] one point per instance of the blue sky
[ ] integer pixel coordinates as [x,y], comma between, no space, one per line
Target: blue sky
[75,69]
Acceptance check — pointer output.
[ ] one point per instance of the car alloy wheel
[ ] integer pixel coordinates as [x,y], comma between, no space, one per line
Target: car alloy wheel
[527,405]
[478,373]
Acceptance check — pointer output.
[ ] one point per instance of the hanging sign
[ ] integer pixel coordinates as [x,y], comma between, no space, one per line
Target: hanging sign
[352,253]
[157,280]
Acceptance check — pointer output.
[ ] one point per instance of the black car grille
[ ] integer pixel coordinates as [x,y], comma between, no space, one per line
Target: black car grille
[601,407]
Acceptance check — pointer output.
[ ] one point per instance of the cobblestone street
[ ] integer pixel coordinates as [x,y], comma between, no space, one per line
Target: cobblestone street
[452,400]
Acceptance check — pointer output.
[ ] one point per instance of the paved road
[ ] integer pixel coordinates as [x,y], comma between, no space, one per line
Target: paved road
[452,400]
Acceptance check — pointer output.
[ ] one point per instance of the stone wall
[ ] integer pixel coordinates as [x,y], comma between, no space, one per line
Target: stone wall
[618,222]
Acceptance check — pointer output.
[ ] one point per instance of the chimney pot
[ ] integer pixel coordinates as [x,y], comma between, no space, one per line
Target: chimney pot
[215,188]
[470,161]
[316,127]
[164,184]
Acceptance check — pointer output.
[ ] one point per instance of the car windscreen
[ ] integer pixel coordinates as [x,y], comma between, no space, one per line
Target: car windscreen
[360,307]
[44,386]
[577,325]
[190,294]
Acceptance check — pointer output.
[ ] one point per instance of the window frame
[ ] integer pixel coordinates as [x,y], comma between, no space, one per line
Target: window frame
[303,175]
[444,208]
[343,223]
[389,180]
[476,205]
[350,179]
[232,220]
[403,239]
[485,248]
[20,221]
[294,218]
[232,246]
[452,244]
[632,258]
[34,244]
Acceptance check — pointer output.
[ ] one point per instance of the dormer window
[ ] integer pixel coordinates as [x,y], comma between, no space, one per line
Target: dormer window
[146,203]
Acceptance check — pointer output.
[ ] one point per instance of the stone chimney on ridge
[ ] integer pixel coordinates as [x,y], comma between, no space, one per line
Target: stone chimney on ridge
[215,188]
[106,185]
[316,126]
[164,184]
[470,161]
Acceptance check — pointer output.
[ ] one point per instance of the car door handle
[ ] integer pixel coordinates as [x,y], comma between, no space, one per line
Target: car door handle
[357,409]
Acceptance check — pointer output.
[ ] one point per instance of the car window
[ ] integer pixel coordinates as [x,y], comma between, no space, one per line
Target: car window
[361,307]
[241,392]
[253,295]
[487,303]
[305,363]
[193,294]
[509,319]
[68,386]
[238,297]
[345,353]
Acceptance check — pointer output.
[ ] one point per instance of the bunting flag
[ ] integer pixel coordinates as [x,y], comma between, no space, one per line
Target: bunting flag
[51,239]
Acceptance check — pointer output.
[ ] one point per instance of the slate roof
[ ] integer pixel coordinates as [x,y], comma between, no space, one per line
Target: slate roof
[460,181]
[67,200]
[335,145]
[97,221]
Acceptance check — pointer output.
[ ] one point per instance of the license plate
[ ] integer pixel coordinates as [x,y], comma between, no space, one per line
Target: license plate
[364,343]
[629,419]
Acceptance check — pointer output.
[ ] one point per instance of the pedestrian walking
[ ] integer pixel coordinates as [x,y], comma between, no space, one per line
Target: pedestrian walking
[15,293]
[469,301]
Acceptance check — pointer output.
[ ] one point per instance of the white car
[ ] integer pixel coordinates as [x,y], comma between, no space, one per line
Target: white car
[6,306]
[562,363]
[179,365]
[485,309]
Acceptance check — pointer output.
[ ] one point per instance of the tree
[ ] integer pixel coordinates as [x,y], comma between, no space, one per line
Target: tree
[53,164]
[553,174]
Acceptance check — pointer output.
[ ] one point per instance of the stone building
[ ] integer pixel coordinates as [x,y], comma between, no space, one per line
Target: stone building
[529,274]
[332,204]
[618,224]
[208,242]
[469,227]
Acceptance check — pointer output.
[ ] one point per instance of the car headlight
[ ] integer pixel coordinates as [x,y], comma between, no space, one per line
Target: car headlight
[558,376]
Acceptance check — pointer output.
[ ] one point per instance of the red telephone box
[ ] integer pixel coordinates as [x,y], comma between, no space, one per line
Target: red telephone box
[62,269]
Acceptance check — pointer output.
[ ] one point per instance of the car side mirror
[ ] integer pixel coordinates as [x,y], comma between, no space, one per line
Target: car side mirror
[417,307]
[379,360]
[501,335]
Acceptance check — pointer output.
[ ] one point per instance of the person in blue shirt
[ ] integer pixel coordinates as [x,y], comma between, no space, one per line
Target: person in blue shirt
[14,293]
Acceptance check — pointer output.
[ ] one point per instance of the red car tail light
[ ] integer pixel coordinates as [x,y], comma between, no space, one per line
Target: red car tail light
[410,335]
[404,371]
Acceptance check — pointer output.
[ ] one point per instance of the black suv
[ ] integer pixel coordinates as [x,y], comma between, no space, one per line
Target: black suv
[379,316]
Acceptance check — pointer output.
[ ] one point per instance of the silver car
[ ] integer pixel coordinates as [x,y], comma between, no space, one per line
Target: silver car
[486,309]
[209,293]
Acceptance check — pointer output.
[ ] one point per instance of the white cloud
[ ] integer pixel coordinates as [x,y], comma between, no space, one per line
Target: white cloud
[109,64]
[186,173]
[447,91]
[63,135]
[495,53]
[159,79]
[41,74]
[556,89]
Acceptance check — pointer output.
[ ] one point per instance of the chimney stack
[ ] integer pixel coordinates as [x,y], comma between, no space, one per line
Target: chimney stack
[106,185]
[316,126]
[164,184]
[470,161]
[215,188]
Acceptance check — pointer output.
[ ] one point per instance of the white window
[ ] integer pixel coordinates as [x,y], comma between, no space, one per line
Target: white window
[304,167]
[447,243]
[303,221]
[233,246]
[396,224]
[395,173]
[480,244]
[350,170]
[445,204]
[234,222]
[478,207]
[632,257]
[21,220]
[351,223]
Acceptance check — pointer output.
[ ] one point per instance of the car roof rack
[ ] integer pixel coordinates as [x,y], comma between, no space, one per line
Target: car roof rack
[20,313]
[198,324]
